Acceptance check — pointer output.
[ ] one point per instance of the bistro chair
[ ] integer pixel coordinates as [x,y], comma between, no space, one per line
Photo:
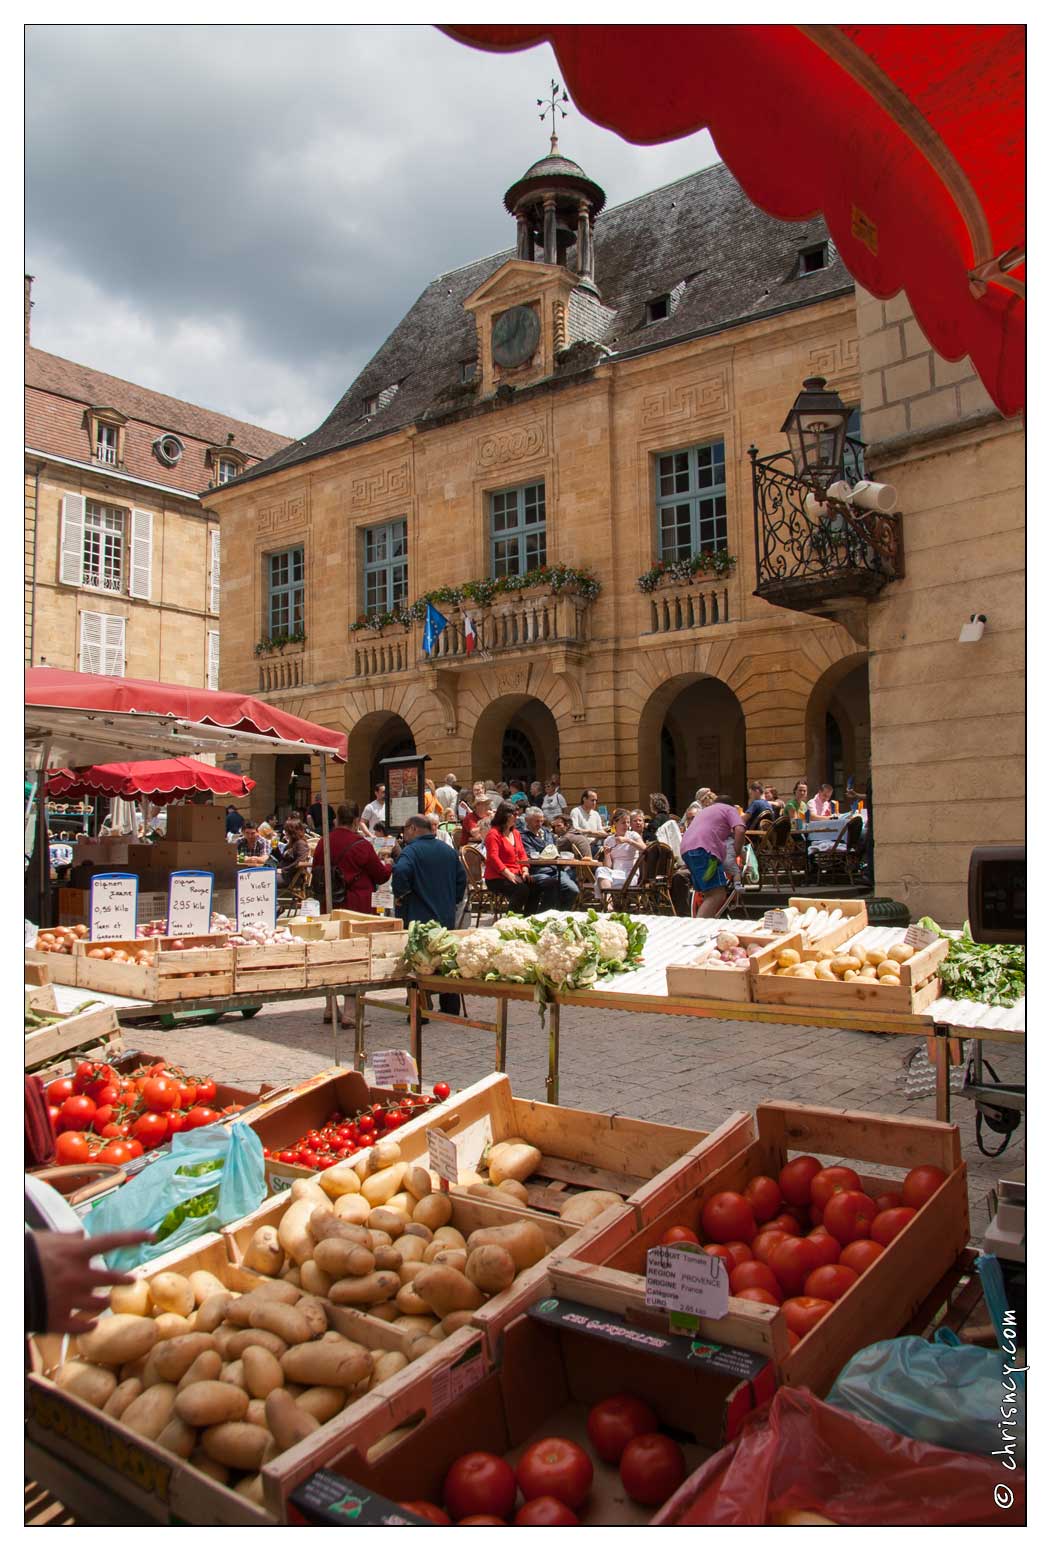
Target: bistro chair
[479,896]
[656,888]
[781,863]
[842,859]
[291,897]
[632,892]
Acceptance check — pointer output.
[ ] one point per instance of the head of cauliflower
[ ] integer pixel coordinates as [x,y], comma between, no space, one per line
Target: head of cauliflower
[475,951]
[559,952]
[514,960]
[613,940]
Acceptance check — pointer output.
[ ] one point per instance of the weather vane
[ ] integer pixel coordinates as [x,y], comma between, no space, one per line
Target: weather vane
[553,105]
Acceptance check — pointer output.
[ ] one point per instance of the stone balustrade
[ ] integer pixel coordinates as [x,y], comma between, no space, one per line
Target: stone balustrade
[687,607]
[517,622]
[281,670]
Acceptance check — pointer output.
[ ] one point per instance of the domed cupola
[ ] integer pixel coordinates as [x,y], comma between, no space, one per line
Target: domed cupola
[555,204]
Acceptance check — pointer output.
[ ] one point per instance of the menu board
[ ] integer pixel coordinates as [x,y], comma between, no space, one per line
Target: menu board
[190,903]
[256,897]
[112,906]
[403,793]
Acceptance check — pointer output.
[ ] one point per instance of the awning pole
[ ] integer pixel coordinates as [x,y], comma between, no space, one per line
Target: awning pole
[331,1002]
[41,836]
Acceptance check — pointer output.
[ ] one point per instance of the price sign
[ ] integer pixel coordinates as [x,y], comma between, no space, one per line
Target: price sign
[775,921]
[920,937]
[190,903]
[443,1159]
[256,897]
[687,1283]
[112,906]
[393,1066]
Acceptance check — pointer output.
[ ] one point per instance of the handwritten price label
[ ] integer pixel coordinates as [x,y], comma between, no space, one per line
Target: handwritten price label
[393,1066]
[190,903]
[112,906]
[920,937]
[775,921]
[687,1283]
[256,897]
[443,1159]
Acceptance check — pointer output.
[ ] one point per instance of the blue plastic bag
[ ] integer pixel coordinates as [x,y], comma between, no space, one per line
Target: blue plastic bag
[941,1391]
[238,1177]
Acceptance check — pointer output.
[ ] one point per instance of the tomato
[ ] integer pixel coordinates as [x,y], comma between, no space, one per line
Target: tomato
[764,1244]
[60,1090]
[205,1089]
[176,1123]
[187,1095]
[720,1250]
[83,1075]
[802,1314]
[826,1248]
[825,1184]
[789,1222]
[794,1179]
[613,1422]
[860,1254]
[114,1152]
[763,1195]
[441,1090]
[885,1202]
[555,1467]
[72,1147]
[679,1235]
[739,1252]
[78,1110]
[848,1216]
[106,1095]
[753,1274]
[150,1129]
[886,1226]
[430,1511]
[480,1483]
[651,1468]
[792,1261]
[759,1295]
[394,1118]
[728,1215]
[102,1117]
[288,1156]
[200,1115]
[830,1282]
[136,1146]
[920,1184]
[545,1513]
[366,1126]
[307,1159]
[54,1114]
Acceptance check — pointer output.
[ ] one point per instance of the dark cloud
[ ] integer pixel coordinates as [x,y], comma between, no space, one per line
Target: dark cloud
[240,215]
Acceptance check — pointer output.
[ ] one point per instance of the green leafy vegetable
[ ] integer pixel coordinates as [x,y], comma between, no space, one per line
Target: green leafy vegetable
[993,973]
[196,1206]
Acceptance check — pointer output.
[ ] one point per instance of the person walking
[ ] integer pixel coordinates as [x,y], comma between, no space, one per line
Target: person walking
[314,814]
[429,882]
[554,804]
[506,866]
[234,822]
[704,851]
[448,792]
[357,871]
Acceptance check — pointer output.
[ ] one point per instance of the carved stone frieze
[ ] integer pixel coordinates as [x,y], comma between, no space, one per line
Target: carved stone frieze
[286,513]
[511,446]
[684,401]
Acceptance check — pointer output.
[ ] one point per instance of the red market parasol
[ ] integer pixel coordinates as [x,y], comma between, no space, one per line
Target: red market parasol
[161,780]
[910,140]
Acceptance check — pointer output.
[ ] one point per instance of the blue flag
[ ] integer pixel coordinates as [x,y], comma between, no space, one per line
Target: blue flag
[433,626]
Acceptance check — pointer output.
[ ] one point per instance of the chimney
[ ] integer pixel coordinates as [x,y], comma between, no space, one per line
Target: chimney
[28,303]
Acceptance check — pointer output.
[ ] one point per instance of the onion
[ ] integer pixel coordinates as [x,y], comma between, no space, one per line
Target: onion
[97,953]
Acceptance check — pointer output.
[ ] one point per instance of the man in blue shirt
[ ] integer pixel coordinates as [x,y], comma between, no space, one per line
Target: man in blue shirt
[428,883]
[558,890]
[758,807]
[234,822]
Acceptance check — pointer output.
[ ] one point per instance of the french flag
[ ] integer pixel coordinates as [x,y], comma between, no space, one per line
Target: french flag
[470,639]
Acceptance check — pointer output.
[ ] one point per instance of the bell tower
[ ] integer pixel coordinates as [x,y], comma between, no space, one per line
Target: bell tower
[555,205]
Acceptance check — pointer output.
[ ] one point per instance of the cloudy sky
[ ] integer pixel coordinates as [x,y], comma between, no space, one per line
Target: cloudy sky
[238,216]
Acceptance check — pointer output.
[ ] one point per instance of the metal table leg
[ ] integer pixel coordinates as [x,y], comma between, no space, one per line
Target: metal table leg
[552,1053]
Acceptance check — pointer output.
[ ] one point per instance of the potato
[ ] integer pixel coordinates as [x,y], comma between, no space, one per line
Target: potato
[843,963]
[169,1325]
[288,1423]
[457,1258]
[401,1202]
[589,1204]
[287,1323]
[409,1248]
[333,1364]
[387,1258]
[262,1372]
[787,958]
[178,1437]
[340,1257]
[326,1224]
[212,1312]
[378,1239]
[852,974]
[236,1444]
[901,953]
[406,1273]
[321,1401]
[523,1241]
[515,1189]
[386,1311]
[422,1345]
[824,973]
[352,1209]
[313,1280]
[383,1156]
[340,1180]
[233,1373]
[172,1293]
[204,1285]
[449,1238]
[88,1382]
[251,1487]
[264,1253]
[293,1230]
[210,1402]
[118,1338]
[415,1324]
[410,1302]
[313,1310]
[208,1365]
[443,1290]
[453,1322]
[509,1162]
[490,1268]
[378,1188]
[172,1358]
[383,1220]
[241,1340]
[889,967]
[889,980]
[868,973]
[292,1277]
[376,1288]
[387,1364]
[874,956]
[224,1334]
[126,1391]
[418,1182]
[308,1190]
[149,1414]
[418,1230]
[209,1467]
[133,1299]
[434,1211]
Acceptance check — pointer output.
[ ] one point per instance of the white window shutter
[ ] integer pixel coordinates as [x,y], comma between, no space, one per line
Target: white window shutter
[91,628]
[213,580]
[71,564]
[113,645]
[213,659]
[141,567]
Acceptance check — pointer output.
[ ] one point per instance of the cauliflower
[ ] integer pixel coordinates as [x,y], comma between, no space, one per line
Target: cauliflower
[561,951]
[612,938]
[514,960]
[475,951]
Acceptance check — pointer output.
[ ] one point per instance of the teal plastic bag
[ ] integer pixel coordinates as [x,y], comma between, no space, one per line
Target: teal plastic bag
[942,1392]
[211,1177]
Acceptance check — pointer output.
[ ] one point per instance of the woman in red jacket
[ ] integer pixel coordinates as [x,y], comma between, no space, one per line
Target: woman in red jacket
[506,863]
[354,859]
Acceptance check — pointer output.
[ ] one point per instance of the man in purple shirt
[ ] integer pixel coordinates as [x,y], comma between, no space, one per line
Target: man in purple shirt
[704,849]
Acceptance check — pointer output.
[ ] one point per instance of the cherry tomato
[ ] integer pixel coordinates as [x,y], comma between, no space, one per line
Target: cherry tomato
[824,1185]
[794,1179]
[754,1274]
[886,1226]
[366,1125]
[792,1261]
[72,1147]
[545,1512]
[830,1282]
[802,1314]
[135,1146]
[920,1184]
[652,1467]
[679,1235]
[114,1152]
[848,1216]
[861,1254]
[200,1115]
[480,1483]
[613,1422]
[79,1110]
[759,1295]
[889,1199]
[739,1252]
[728,1215]
[150,1129]
[308,1159]
[764,1244]
[206,1089]
[60,1090]
[441,1090]
[763,1195]
[429,1511]
[555,1467]
[289,1156]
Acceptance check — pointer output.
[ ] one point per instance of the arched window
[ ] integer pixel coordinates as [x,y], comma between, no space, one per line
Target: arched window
[517,757]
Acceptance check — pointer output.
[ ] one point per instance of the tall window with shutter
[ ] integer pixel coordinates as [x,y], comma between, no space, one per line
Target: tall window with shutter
[213,574]
[71,556]
[102,643]
[213,659]
[141,568]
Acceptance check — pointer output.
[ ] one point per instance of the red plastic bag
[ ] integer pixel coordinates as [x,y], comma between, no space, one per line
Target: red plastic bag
[803,1456]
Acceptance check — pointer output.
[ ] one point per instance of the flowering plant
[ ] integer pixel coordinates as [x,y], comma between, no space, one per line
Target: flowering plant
[279,640]
[719,563]
[557,578]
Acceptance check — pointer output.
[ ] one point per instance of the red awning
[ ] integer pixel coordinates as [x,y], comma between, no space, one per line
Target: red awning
[158,779]
[95,694]
[910,140]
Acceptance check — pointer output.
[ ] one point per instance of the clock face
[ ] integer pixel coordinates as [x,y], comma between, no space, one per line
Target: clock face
[516,334]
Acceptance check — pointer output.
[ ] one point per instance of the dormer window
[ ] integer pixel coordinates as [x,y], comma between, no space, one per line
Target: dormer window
[226,463]
[226,469]
[106,443]
[813,258]
[106,429]
[169,450]
[372,406]
[658,308]
[468,371]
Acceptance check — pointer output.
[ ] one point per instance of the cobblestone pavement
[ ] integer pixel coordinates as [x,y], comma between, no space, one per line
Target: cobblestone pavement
[683,1071]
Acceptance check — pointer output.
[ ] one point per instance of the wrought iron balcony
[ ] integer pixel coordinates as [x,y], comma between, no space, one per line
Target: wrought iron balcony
[821,563]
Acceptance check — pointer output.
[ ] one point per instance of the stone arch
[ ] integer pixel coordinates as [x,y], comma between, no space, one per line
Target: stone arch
[691,733]
[536,739]
[839,725]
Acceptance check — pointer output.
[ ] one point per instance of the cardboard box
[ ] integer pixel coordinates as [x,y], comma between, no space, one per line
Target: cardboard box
[196,821]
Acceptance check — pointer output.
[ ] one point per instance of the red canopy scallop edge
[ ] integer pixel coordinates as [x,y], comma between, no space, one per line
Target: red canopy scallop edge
[158,779]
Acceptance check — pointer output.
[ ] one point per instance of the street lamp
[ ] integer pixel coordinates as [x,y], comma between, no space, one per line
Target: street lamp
[816,427]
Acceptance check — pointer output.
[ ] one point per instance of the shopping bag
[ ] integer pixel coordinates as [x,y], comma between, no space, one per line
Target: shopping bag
[750,871]
[211,1177]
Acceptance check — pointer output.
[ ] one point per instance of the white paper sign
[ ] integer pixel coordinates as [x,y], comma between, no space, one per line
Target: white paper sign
[920,937]
[112,906]
[442,1151]
[190,903]
[392,1066]
[687,1282]
[256,897]
[775,921]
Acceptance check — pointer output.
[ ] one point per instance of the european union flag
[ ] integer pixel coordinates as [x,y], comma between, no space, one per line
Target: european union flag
[433,625]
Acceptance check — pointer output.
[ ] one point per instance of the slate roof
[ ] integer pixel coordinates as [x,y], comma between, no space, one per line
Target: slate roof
[738,262]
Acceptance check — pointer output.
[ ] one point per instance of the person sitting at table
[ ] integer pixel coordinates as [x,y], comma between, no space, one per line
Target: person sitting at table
[251,845]
[506,867]
[586,819]
[296,853]
[558,890]
[476,821]
[796,806]
[758,806]
[770,796]
[560,835]
[820,807]
[637,821]
[620,851]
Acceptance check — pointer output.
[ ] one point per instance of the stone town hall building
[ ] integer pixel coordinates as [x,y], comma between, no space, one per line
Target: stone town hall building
[587,400]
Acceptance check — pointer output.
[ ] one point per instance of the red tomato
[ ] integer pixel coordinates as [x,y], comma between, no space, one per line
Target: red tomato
[759,1295]
[103,1115]
[830,1282]
[753,1274]
[545,1512]
[78,1110]
[114,1152]
[366,1126]
[555,1467]
[200,1115]
[205,1089]
[652,1466]
[720,1250]
[920,1184]
[54,1113]
[763,1195]
[72,1147]
[83,1075]
[136,1146]
[613,1422]
[289,1156]
[794,1179]
[802,1314]
[789,1222]
[739,1252]
[848,1216]
[441,1090]
[432,1512]
[825,1184]
[728,1215]
[793,1339]
[825,1246]
[860,1255]
[307,1159]
[480,1483]
[886,1226]
[679,1235]
[150,1129]
[187,1094]
[176,1123]
[764,1244]
[60,1090]
[160,1094]
[885,1202]
[792,1261]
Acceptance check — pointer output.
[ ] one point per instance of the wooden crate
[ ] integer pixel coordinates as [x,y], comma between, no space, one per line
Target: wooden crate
[721,985]
[388,949]
[884,1298]
[281,967]
[339,961]
[97,1025]
[172,974]
[59,967]
[37,973]
[920,983]
[854,910]
[361,924]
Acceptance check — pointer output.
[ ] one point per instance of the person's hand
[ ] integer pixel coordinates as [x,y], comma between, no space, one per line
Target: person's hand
[70,1280]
